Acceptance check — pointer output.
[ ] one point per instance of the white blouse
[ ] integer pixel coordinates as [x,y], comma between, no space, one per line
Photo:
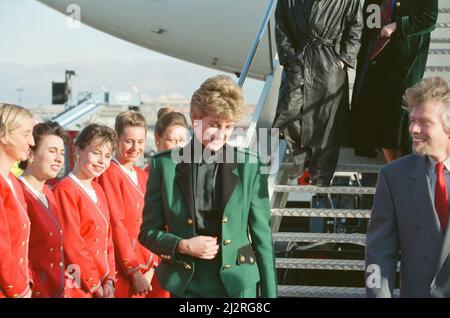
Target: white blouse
[90,192]
[41,196]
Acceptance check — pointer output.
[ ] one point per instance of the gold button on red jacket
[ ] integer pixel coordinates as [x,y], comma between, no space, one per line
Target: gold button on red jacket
[126,202]
[44,250]
[90,263]
[15,275]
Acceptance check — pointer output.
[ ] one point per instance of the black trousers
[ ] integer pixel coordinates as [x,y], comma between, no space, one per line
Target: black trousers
[321,162]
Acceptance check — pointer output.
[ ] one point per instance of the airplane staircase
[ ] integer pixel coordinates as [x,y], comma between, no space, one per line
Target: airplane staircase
[89,105]
[319,238]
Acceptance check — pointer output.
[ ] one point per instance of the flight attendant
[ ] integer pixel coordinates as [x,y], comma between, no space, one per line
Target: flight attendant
[124,185]
[171,130]
[84,216]
[46,253]
[16,138]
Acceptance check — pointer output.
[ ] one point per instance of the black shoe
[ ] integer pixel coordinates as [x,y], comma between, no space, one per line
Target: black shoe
[322,182]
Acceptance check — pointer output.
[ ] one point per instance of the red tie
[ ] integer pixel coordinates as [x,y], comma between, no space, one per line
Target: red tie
[440,196]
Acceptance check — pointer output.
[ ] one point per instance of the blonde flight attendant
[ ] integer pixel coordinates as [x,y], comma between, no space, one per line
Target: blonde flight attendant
[84,216]
[124,185]
[16,138]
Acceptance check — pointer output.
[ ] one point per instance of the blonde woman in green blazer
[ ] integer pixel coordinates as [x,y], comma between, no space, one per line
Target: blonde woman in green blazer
[207,210]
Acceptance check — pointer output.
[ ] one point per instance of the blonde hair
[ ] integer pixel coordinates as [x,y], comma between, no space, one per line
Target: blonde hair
[11,117]
[220,97]
[129,118]
[430,89]
[168,117]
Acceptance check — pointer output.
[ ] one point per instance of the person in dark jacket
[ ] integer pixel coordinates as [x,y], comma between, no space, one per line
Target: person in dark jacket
[316,40]
[393,57]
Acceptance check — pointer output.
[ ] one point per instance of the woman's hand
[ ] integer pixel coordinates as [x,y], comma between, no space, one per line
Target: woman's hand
[139,284]
[99,293]
[388,29]
[28,294]
[204,247]
[108,289]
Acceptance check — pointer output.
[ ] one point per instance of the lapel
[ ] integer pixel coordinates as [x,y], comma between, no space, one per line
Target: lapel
[50,211]
[185,180]
[137,187]
[17,197]
[419,186]
[52,205]
[421,193]
[97,206]
[445,250]
[230,175]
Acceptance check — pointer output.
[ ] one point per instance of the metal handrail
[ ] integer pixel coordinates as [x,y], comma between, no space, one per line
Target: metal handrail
[265,23]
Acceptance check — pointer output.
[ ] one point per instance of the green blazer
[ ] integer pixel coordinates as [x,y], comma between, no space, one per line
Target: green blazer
[169,216]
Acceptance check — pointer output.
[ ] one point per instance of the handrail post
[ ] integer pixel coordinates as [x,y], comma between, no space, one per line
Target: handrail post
[269,37]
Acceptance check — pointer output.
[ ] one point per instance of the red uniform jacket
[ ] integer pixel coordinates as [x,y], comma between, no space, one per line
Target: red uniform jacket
[15,275]
[88,245]
[126,202]
[46,245]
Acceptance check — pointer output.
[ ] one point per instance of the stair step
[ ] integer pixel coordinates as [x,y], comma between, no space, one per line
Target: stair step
[355,238]
[315,189]
[321,264]
[324,291]
[322,213]
[320,291]
[443,25]
[439,51]
[440,40]
[441,69]
[346,167]
[354,167]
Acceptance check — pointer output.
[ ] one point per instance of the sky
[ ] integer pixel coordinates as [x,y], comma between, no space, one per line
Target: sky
[37,47]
